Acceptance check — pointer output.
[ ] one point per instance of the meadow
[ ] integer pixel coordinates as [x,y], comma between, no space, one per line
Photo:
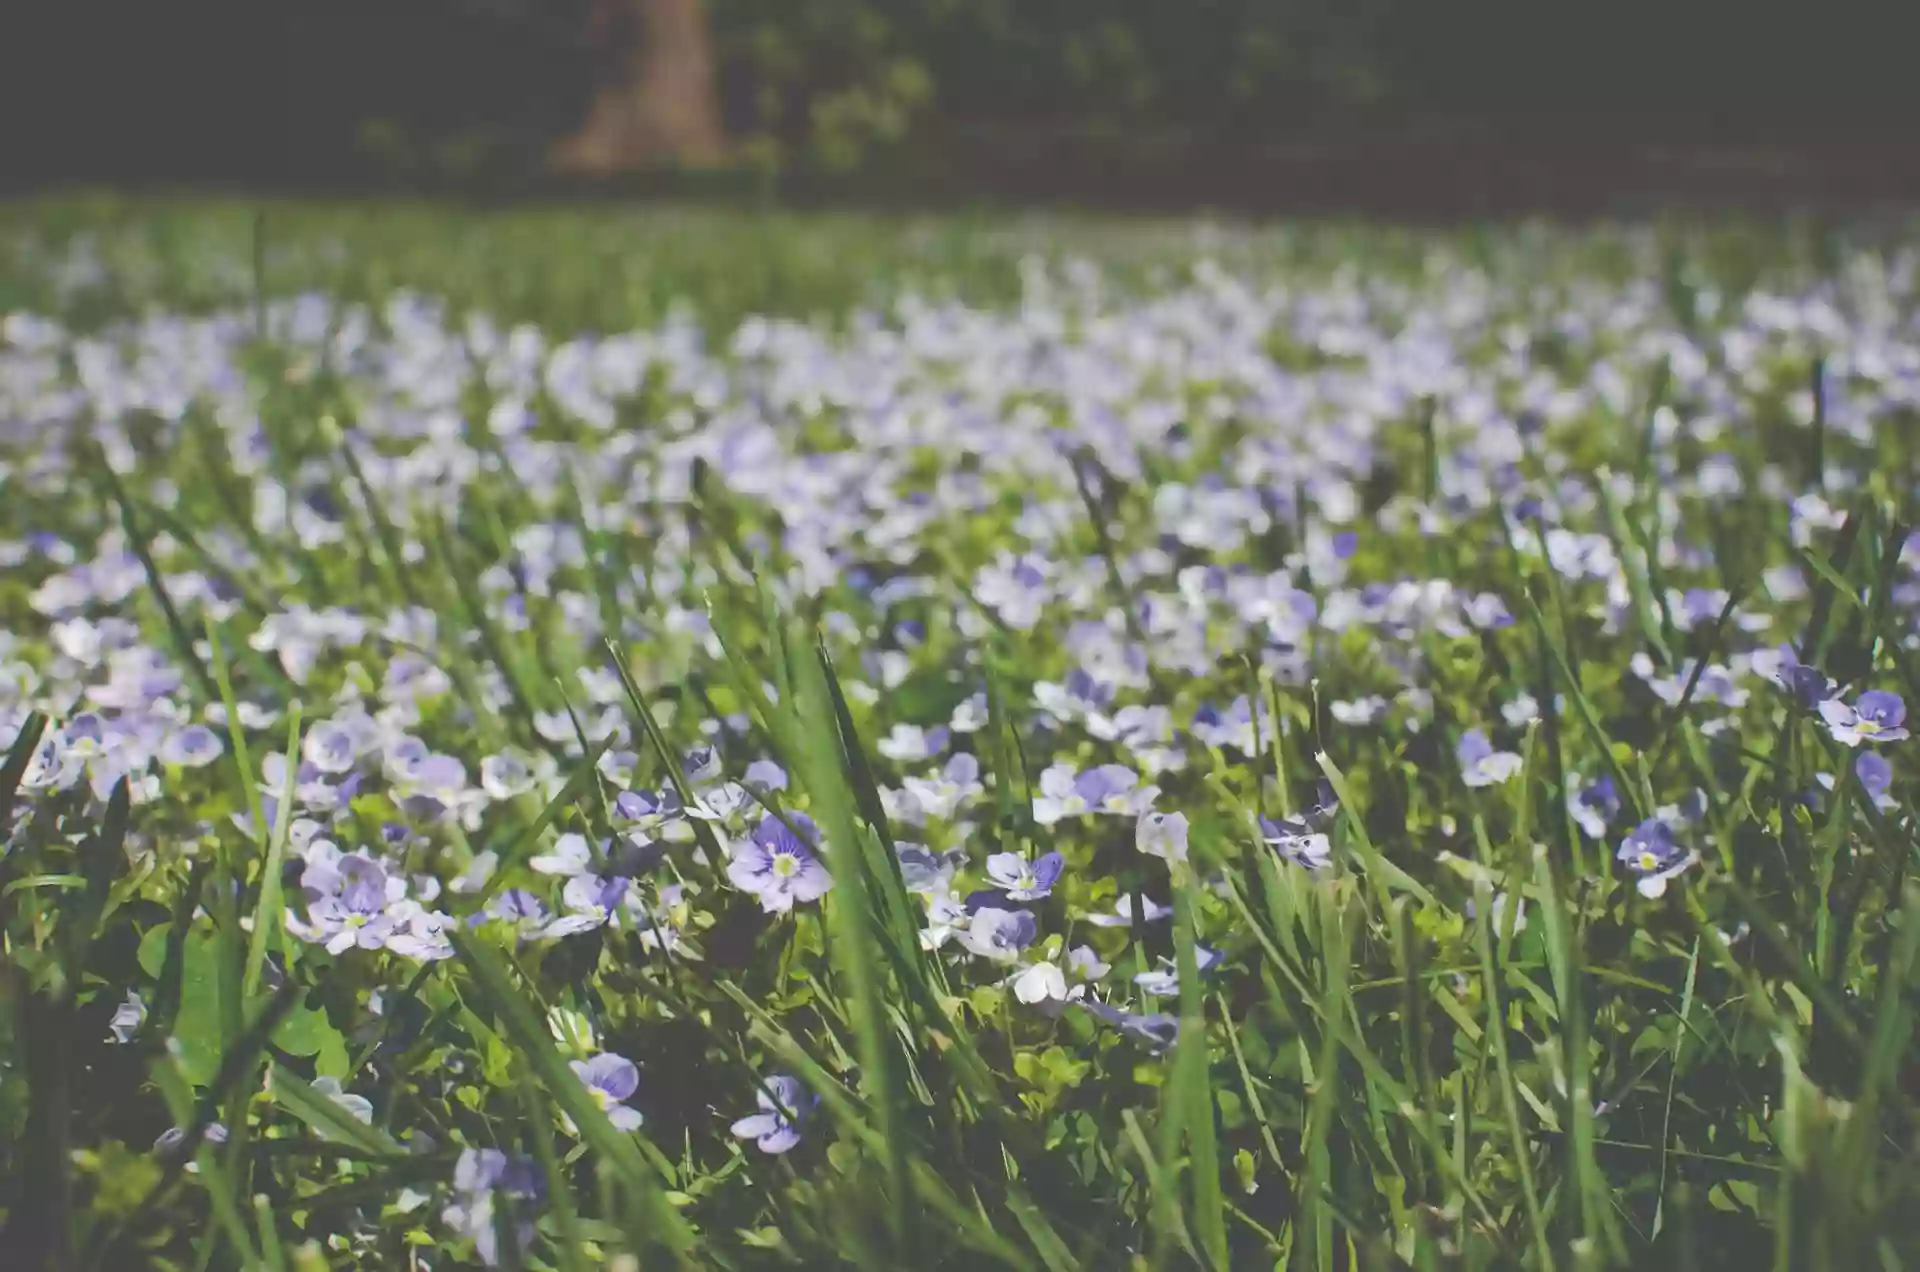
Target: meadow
[582,738]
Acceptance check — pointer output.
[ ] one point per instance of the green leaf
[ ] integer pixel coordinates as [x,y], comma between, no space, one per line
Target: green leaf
[307,1032]
[199,1029]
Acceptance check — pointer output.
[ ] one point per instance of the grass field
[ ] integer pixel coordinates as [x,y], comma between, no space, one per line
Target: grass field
[588,738]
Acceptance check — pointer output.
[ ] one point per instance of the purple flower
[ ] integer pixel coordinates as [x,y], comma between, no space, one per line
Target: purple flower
[1024,880]
[1875,716]
[1804,684]
[701,765]
[612,1080]
[1650,853]
[998,934]
[1594,806]
[1295,840]
[1486,611]
[785,1106]
[909,743]
[923,871]
[942,795]
[654,815]
[329,748]
[506,776]
[191,747]
[516,906]
[593,900]
[1234,727]
[1110,788]
[765,775]
[1015,589]
[779,866]
[1480,764]
[1083,696]
[1876,777]
[1158,1031]
[348,901]
[1696,607]
[478,1176]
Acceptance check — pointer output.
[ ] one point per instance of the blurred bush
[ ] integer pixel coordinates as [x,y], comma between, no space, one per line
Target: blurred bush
[190,88]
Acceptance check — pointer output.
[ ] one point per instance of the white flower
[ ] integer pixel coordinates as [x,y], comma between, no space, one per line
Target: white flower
[1041,982]
[909,744]
[505,776]
[1086,964]
[1162,835]
[1359,711]
[1521,711]
[570,856]
[970,716]
[945,916]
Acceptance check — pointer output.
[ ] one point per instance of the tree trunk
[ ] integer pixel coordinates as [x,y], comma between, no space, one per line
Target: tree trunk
[657,100]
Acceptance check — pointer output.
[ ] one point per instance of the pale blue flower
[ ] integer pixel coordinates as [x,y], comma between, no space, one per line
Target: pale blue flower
[1480,764]
[1164,980]
[779,866]
[1295,840]
[1122,916]
[1110,788]
[1653,856]
[612,1080]
[1875,716]
[479,1177]
[785,1107]
[998,934]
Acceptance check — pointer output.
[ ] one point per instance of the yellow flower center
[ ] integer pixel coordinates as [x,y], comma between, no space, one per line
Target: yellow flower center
[1867,726]
[1649,862]
[784,866]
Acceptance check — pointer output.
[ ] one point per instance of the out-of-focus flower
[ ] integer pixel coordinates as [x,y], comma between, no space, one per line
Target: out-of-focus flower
[1164,981]
[785,1108]
[1122,916]
[612,1080]
[127,1018]
[1162,835]
[910,744]
[1594,806]
[1158,1031]
[1295,840]
[1480,764]
[1110,788]
[480,1176]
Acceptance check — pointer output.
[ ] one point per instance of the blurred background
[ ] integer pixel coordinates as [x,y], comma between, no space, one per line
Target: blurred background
[1404,108]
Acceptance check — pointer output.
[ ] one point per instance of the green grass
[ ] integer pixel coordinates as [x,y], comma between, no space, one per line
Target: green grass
[1386,1070]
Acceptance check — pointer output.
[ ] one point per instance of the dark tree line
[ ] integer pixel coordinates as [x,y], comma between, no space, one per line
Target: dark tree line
[293,89]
